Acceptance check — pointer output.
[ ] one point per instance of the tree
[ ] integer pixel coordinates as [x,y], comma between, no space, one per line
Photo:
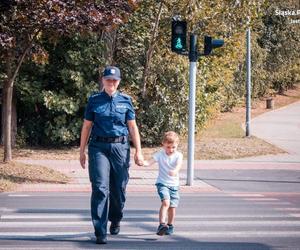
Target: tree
[55,94]
[280,37]
[158,78]
[23,23]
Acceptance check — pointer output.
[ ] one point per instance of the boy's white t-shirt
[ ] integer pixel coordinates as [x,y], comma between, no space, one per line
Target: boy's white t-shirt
[167,163]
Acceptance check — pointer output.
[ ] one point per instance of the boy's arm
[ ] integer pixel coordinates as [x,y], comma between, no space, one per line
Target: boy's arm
[176,170]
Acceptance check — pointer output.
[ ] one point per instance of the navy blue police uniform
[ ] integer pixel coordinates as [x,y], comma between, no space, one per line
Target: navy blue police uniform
[109,154]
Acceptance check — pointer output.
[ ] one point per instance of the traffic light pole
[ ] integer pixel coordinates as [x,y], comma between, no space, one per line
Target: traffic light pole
[178,45]
[193,58]
[248,88]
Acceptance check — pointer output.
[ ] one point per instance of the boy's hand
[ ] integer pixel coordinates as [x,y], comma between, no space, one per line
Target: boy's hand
[146,163]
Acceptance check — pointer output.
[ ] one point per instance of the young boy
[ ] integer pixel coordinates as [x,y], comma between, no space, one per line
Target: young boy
[169,161]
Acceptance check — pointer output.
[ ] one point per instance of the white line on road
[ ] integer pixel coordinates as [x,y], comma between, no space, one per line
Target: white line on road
[287,208]
[141,216]
[245,195]
[261,199]
[30,224]
[296,215]
[19,195]
[256,234]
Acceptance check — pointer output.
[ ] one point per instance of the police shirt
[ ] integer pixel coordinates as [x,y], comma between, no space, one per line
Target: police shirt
[109,114]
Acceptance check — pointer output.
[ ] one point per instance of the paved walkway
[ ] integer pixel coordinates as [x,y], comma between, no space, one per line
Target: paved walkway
[279,127]
[141,178]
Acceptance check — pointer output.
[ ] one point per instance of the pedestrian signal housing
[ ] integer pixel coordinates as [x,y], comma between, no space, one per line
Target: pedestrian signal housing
[178,42]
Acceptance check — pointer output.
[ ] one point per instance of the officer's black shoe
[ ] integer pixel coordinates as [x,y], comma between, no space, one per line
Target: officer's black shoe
[101,240]
[114,228]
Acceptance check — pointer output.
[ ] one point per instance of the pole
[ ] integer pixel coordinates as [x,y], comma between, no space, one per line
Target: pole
[193,57]
[248,88]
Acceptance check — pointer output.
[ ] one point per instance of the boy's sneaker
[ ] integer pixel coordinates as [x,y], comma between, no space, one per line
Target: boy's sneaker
[162,229]
[170,230]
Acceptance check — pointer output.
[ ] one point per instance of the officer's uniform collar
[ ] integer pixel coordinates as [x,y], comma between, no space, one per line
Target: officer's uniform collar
[112,96]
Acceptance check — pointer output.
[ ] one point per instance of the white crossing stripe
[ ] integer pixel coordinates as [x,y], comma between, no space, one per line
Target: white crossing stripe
[226,233]
[245,195]
[141,217]
[261,199]
[30,224]
[295,215]
[288,208]
[44,216]
[19,195]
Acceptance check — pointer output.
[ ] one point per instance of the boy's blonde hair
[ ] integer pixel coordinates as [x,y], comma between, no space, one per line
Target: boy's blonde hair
[170,137]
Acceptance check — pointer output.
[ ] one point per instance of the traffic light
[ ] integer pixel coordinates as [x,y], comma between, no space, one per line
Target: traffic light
[178,42]
[210,44]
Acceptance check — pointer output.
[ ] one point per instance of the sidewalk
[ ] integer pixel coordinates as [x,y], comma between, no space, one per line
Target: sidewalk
[279,127]
[141,179]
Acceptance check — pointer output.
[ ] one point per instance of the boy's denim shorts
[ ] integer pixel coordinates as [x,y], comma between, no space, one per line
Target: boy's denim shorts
[168,193]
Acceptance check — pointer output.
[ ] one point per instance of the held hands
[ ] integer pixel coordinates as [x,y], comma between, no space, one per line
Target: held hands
[146,163]
[149,163]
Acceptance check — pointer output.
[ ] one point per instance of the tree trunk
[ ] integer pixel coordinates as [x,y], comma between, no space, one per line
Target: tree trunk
[150,50]
[14,120]
[14,126]
[2,116]
[110,38]
[7,101]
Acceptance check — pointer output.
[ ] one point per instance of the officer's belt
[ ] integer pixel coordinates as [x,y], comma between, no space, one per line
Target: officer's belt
[110,139]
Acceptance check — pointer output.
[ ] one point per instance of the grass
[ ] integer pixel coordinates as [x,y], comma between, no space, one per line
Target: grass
[14,173]
[227,128]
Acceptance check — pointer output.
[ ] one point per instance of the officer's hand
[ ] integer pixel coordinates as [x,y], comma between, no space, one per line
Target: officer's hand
[139,159]
[82,160]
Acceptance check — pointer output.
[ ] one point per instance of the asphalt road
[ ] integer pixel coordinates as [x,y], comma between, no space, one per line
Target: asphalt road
[251,209]
[252,180]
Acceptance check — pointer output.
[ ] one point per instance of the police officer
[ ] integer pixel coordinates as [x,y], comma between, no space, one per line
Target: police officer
[109,119]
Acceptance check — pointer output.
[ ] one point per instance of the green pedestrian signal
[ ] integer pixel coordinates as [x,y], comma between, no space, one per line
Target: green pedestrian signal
[178,40]
[179,44]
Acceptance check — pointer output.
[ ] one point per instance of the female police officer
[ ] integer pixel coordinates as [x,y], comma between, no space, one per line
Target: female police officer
[109,118]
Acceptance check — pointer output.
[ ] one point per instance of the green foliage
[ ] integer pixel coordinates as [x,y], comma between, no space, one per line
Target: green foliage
[56,94]
[165,106]
[280,39]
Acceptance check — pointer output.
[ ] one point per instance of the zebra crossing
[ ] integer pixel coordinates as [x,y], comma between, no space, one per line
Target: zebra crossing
[203,221]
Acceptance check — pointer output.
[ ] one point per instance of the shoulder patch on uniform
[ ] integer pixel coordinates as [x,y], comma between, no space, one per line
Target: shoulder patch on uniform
[125,95]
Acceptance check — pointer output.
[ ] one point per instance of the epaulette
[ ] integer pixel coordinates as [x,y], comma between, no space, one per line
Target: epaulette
[94,94]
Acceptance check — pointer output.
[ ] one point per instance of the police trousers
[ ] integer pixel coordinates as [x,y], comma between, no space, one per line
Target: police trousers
[108,173]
